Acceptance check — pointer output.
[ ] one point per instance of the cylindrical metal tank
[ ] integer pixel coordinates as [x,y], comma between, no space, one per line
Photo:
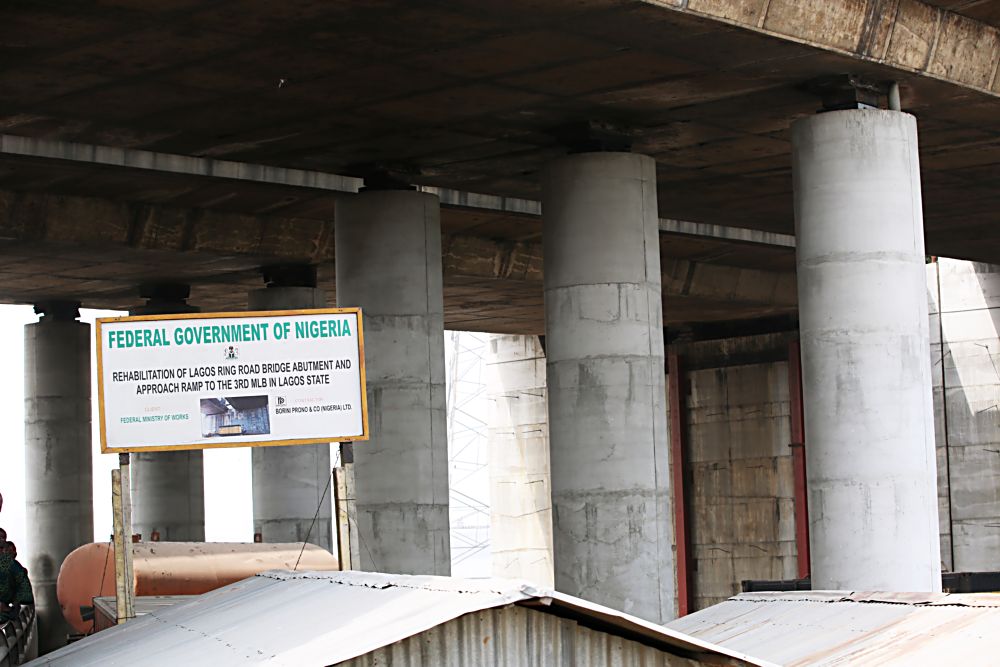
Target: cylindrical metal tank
[175,568]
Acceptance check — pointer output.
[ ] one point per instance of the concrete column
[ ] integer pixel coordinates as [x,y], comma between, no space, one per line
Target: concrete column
[520,493]
[289,482]
[168,488]
[607,413]
[58,488]
[873,511]
[388,246]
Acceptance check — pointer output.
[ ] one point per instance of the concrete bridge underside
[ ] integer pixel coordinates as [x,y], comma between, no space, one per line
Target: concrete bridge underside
[101,250]
[196,141]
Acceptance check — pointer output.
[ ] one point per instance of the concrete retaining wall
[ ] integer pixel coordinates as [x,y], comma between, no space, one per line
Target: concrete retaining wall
[967,410]
[742,505]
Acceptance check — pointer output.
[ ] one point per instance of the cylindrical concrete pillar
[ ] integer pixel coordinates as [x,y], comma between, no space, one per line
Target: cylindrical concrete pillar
[607,412]
[59,494]
[168,488]
[520,493]
[388,246]
[873,514]
[289,483]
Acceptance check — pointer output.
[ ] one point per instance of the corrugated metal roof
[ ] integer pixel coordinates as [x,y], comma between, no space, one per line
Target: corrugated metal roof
[514,636]
[307,619]
[839,628]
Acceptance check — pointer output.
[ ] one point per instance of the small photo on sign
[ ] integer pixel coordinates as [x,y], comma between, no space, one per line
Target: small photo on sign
[235,415]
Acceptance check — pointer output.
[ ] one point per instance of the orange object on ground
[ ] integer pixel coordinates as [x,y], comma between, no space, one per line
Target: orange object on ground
[175,568]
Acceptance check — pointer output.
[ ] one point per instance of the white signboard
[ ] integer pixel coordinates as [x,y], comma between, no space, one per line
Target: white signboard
[173,382]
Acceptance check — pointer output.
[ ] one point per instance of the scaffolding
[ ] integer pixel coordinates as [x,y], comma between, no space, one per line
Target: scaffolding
[468,454]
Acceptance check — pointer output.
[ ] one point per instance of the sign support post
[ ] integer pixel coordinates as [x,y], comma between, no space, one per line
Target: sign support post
[121,502]
[343,490]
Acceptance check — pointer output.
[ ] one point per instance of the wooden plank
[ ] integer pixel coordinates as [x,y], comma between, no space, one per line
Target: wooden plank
[343,519]
[119,542]
[126,505]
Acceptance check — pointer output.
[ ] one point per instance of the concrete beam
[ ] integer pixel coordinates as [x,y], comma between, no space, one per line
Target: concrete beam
[738,351]
[38,217]
[909,35]
[189,165]
[209,168]
[468,256]
[45,218]
[728,284]
[476,257]
[724,232]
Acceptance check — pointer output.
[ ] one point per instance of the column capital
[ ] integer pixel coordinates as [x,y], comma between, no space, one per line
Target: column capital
[590,136]
[290,275]
[164,298]
[58,310]
[841,92]
[380,176]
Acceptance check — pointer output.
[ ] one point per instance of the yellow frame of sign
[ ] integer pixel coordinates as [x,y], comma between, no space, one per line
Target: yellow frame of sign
[228,445]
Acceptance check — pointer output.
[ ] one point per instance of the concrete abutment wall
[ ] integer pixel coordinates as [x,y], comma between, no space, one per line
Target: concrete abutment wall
[741,496]
[965,358]
[520,480]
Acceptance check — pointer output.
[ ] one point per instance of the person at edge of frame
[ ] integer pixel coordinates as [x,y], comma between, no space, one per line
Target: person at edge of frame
[15,586]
